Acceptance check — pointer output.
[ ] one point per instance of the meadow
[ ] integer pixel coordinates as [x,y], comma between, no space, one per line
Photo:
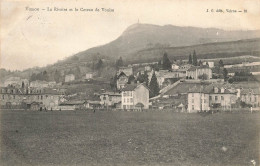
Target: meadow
[128,138]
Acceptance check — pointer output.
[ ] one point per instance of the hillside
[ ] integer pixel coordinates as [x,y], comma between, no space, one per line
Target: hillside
[145,42]
[203,51]
[144,36]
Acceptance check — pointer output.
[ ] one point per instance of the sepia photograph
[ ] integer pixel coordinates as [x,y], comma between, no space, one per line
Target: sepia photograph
[130,83]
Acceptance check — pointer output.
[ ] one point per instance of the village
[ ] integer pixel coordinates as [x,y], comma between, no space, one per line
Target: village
[191,86]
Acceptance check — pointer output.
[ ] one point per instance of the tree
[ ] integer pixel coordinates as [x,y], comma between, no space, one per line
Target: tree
[221,64]
[119,62]
[57,76]
[131,78]
[146,79]
[190,59]
[154,87]
[113,82]
[225,73]
[167,65]
[22,84]
[99,65]
[194,59]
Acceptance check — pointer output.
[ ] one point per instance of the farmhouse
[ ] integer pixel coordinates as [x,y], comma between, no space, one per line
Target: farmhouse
[196,72]
[135,96]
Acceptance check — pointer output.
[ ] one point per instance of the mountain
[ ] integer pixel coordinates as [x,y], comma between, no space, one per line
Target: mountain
[144,36]
[146,42]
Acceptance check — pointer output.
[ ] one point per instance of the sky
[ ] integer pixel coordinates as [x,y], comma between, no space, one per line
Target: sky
[37,38]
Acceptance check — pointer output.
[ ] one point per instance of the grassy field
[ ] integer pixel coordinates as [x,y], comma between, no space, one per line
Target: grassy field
[128,138]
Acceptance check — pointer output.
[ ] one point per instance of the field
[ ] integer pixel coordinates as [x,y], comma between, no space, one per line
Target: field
[128,138]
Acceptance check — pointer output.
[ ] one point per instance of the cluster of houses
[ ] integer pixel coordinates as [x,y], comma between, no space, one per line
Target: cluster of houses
[188,92]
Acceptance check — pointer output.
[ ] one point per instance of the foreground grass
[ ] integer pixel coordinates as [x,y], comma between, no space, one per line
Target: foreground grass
[128,138]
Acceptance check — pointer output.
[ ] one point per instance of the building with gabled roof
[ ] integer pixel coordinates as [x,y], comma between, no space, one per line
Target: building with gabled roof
[121,80]
[196,71]
[135,96]
[205,98]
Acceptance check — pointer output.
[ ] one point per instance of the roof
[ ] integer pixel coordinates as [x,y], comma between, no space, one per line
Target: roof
[250,91]
[132,87]
[209,89]
[111,93]
[121,74]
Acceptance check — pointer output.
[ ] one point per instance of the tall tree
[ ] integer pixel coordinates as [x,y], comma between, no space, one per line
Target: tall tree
[154,86]
[166,62]
[221,64]
[57,76]
[225,74]
[99,64]
[190,59]
[194,59]
[119,62]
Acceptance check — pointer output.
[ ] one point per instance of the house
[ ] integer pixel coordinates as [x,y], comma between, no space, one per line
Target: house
[205,98]
[210,64]
[196,72]
[163,75]
[127,70]
[110,99]
[250,96]
[69,78]
[89,75]
[175,67]
[121,81]
[27,97]
[135,96]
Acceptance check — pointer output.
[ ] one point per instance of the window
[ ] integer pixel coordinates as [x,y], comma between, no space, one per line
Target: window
[192,107]
[104,98]
[255,99]
[216,98]
[14,96]
[210,98]
[128,100]
[124,106]
[131,100]
[205,100]
[124,100]
[192,100]
[110,98]
[41,97]
[222,97]
[192,94]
